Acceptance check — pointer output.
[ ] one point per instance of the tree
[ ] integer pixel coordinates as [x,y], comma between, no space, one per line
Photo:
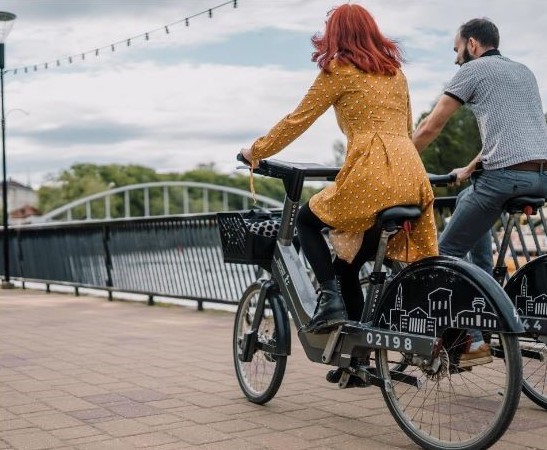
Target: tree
[82,180]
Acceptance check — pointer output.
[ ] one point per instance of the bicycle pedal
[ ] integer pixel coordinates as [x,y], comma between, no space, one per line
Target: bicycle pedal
[348,380]
[344,380]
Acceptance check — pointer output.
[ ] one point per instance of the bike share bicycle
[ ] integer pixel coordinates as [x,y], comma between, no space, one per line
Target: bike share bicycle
[527,288]
[420,314]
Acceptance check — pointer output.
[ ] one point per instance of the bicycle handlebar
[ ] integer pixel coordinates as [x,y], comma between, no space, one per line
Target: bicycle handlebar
[441,180]
[283,169]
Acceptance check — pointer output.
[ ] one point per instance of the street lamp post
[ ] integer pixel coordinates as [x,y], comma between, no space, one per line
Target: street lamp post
[6,22]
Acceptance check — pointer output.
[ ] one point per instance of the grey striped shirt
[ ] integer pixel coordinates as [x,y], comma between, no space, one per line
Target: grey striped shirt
[504,96]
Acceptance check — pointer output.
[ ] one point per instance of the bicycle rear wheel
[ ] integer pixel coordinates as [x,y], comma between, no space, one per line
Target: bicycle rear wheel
[261,377]
[454,408]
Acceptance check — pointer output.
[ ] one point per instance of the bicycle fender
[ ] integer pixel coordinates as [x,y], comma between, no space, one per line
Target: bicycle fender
[444,292]
[282,324]
[527,289]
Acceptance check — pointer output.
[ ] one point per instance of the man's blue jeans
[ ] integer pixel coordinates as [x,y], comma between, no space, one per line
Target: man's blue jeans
[479,206]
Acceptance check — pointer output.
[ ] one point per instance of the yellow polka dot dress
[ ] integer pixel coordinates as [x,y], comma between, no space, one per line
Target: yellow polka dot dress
[382,167]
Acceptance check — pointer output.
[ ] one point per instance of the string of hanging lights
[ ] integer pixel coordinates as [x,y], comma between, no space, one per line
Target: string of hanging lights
[81,56]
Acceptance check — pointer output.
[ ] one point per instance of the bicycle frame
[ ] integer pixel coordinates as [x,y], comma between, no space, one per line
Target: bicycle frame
[355,339]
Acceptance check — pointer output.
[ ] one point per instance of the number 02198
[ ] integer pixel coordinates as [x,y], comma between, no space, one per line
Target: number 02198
[389,341]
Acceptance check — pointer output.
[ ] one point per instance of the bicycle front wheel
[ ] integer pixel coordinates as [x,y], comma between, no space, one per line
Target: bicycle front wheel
[453,408]
[261,377]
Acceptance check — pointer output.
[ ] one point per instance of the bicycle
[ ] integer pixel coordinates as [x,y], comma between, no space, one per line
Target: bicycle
[437,404]
[527,288]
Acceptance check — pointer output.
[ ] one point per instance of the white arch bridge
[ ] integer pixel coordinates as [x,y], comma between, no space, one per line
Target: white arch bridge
[162,198]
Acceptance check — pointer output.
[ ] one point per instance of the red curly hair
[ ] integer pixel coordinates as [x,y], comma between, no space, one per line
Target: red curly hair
[352,37]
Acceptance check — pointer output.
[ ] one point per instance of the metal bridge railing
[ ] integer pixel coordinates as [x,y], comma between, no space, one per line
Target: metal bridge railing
[176,257]
[171,256]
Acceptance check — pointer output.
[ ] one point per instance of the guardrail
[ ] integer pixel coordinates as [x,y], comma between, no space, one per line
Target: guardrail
[176,257]
[171,256]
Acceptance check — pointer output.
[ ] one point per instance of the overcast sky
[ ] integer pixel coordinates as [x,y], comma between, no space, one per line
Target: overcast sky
[201,92]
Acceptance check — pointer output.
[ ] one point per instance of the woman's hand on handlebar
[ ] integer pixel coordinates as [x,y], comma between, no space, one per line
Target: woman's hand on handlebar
[246,157]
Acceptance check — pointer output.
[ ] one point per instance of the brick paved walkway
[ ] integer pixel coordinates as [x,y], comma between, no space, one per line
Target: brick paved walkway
[84,373]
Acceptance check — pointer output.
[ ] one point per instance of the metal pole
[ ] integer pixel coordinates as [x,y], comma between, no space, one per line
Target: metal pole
[6,280]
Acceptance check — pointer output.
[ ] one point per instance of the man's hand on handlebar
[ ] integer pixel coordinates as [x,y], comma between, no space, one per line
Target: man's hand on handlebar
[462,174]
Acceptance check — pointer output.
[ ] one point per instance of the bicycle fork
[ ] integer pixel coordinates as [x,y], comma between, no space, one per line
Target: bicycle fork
[250,338]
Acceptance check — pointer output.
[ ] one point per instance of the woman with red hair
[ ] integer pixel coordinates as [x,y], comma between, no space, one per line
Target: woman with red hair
[360,76]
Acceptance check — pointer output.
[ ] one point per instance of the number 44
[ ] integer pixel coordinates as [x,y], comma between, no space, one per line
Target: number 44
[536,326]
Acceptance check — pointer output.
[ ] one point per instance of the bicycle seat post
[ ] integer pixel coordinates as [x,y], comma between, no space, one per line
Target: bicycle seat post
[515,207]
[377,277]
[390,221]
[500,269]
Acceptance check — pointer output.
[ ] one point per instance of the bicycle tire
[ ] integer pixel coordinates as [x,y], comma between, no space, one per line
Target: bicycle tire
[261,377]
[456,410]
[534,371]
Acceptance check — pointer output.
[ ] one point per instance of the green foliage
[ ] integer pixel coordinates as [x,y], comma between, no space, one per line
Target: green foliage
[82,180]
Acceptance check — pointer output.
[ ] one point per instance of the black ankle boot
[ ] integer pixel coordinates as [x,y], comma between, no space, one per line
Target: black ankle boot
[330,310]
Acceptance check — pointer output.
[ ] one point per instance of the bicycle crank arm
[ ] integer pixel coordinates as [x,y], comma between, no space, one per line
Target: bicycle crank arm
[395,375]
[370,378]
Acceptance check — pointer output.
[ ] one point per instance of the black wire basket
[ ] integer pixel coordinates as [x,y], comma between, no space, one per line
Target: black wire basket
[248,238]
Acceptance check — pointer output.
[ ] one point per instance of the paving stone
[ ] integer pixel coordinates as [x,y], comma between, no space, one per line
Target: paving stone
[132,409]
[93,413]
[76,432]
[199,434]
[34,440]
[151,439]
[144,395]
[122,427]
[67,403]
[104,399]
[53,421]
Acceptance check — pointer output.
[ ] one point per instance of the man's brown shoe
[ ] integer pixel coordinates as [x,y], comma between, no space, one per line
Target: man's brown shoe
[479,356]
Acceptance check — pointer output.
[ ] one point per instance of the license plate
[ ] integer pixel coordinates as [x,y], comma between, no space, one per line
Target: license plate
[401,342]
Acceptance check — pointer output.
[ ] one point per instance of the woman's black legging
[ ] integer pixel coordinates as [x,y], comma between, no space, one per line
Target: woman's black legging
[318,254]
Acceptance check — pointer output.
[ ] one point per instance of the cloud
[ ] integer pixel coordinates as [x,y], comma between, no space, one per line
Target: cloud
[200,93]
